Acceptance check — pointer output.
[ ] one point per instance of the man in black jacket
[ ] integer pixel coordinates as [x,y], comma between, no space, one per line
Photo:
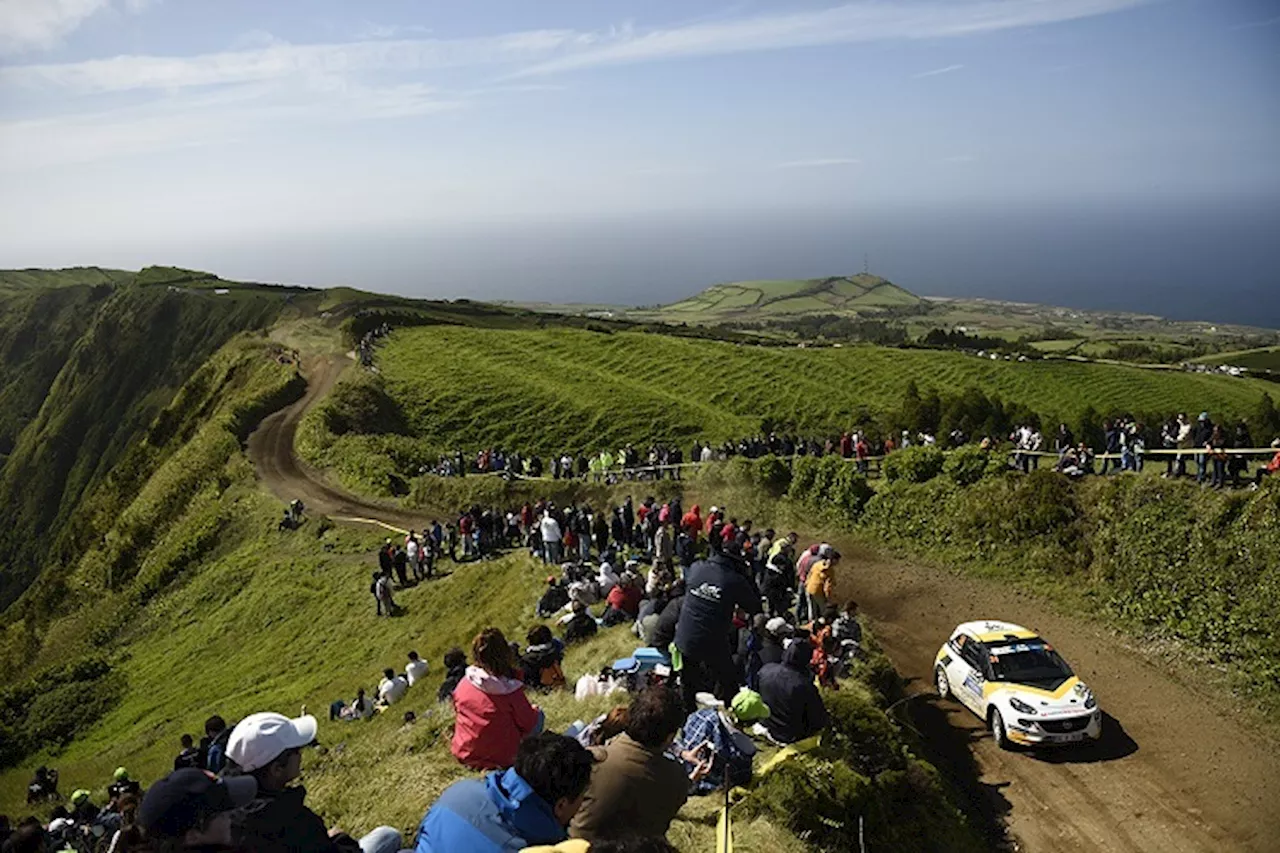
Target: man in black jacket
[795,706]
[713,589]
[268,747]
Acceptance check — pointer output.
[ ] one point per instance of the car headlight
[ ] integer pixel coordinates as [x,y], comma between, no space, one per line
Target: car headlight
[1020,706]
[1091,702]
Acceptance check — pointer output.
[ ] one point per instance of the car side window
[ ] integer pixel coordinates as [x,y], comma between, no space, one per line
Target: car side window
[973,654]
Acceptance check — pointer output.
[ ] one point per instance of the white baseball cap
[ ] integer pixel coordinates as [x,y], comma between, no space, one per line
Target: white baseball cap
[259,738]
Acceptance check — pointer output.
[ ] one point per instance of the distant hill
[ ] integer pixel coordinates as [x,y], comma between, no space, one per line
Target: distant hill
[857,294]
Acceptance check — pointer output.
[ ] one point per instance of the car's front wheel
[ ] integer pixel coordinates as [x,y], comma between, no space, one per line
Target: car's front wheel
[943,683]
[998,731]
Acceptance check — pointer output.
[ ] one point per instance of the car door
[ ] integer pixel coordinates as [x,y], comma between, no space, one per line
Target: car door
[962,673]
[970,677]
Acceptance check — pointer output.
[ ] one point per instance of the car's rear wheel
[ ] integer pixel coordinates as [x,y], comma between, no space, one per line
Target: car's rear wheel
[942,682]
[998,731]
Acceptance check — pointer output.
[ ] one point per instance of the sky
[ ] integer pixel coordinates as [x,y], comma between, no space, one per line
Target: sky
[1097,153]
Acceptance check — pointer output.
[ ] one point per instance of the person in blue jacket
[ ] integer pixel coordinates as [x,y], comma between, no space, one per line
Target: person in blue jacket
[529,804]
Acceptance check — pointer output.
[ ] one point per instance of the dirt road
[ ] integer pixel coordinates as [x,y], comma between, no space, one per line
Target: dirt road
[271,451]
[1175,773]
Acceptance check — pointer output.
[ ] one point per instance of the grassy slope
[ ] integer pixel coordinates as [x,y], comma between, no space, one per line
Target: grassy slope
[285,619]
[137,348]
[552,389]
[70,277]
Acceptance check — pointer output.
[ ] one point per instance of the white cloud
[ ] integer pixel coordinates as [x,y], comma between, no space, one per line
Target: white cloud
[548,51]
[935,72]
[281,59]
[41,24]
[864,21]
[819,163]
[33,24]
[370,30]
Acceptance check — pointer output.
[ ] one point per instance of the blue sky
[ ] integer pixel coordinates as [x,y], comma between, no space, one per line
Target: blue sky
[203,133]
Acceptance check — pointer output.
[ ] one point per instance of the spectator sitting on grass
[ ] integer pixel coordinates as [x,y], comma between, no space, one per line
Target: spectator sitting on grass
[541,661]
[795,706]
[392,687]
[191,810]
[493,714]
[455,669]
[268,747]
[416,669]
[581,625]
[530,803]
[637,788]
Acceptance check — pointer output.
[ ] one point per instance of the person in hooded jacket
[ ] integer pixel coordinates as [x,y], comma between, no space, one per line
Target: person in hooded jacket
[492,713]
[691,522]
[529,804]
[541,661]
[795,705]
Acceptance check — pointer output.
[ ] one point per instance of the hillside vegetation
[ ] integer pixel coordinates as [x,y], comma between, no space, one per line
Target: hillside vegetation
[442,388]
[85,370]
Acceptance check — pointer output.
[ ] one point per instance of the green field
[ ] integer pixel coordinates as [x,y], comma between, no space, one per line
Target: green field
[555,389]
[859,293]
[1264,358]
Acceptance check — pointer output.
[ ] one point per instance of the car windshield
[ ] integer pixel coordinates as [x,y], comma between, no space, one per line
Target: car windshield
[1028,663]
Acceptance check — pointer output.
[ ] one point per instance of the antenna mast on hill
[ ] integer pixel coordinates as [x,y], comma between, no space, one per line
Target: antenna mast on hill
[866,264]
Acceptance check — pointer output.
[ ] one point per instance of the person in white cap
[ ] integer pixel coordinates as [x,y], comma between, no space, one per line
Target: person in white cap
[268,747]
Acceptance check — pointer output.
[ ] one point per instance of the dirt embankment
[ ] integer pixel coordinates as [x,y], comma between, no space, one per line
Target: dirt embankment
[1176,772]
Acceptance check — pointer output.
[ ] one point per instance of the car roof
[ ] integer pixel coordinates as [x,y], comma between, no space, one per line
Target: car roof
[993,630]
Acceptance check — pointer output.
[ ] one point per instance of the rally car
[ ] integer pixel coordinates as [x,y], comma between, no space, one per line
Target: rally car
[1015,681]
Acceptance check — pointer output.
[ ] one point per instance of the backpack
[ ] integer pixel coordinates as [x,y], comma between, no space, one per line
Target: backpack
[551,676]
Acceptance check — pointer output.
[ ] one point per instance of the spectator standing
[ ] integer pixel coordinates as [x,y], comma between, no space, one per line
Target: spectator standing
[714,588]
[1202,438]
[189,756]
[822,577]
[550,531]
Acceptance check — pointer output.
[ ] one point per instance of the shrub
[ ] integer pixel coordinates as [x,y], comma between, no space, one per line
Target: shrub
[830,486]
[914,464]
[969,464]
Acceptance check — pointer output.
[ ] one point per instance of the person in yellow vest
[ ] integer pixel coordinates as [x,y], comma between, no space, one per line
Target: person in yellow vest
[822,578]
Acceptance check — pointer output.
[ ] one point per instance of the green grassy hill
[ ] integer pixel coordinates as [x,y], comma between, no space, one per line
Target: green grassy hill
[742,300]
[560,388]
[86,367]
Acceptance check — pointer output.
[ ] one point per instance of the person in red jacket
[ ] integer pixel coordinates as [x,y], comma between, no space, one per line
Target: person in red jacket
[692,522]
[623,600]
[493,713]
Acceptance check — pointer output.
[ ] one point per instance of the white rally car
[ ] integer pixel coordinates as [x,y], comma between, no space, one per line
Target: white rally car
[1015,681]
